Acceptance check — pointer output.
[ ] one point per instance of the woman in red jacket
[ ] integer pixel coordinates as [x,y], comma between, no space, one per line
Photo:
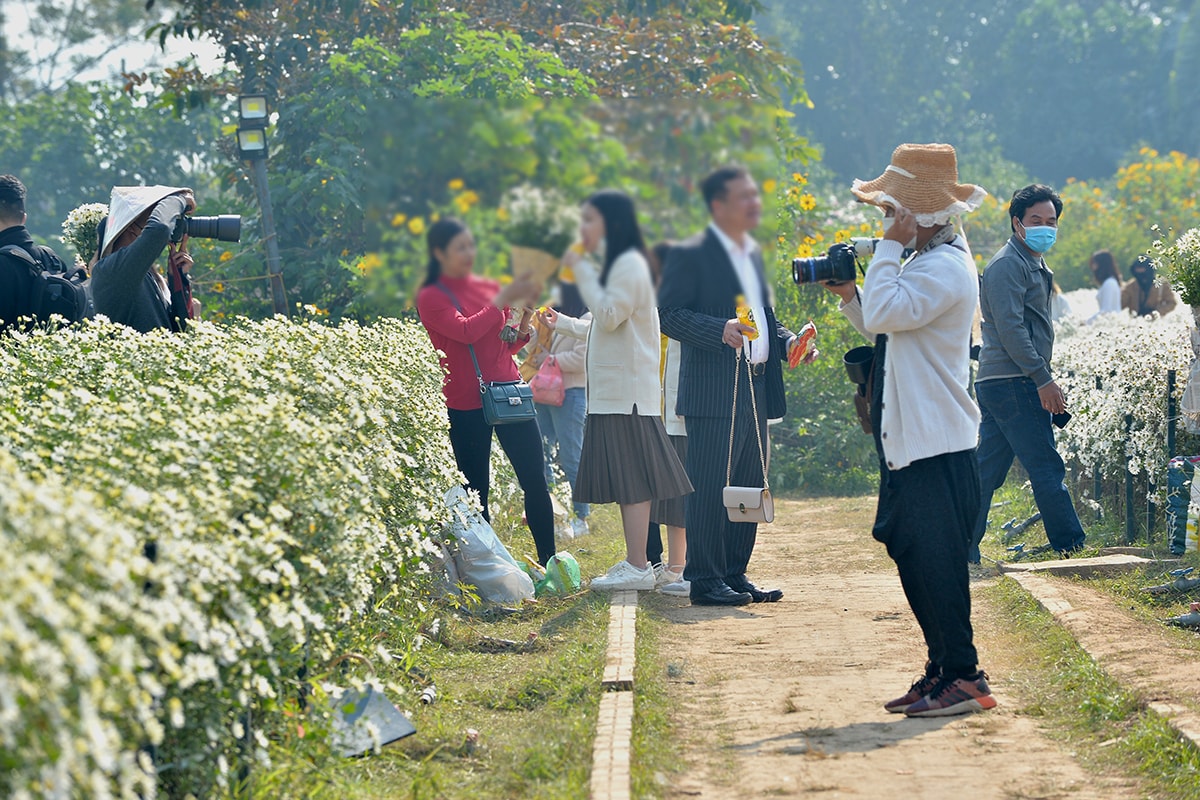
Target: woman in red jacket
[459,308]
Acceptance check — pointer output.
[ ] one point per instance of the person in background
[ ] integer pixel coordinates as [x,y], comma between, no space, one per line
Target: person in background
[126,284]
[562,426]
[1108,277]
[462,311]
[1017,393]
[919,311]
[670,513]
[1144,294]
[16,281]
[627,458]
[1059,307]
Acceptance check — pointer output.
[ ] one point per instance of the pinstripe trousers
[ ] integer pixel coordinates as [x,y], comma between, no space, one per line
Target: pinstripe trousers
[717,548]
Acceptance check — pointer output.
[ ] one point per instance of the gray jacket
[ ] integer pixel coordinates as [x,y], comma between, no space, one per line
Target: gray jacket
[124,286]
[1014,298]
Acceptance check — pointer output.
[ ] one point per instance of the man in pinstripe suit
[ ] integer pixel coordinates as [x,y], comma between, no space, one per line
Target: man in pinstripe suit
[701,280]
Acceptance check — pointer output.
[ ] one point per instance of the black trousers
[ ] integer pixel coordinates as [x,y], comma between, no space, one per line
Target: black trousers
[471,439]
[926,516]
[717,548]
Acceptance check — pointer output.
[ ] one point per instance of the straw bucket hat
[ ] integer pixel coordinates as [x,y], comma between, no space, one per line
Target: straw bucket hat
[924,179]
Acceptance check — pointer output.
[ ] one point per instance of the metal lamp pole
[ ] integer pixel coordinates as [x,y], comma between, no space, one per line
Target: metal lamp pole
[252,147]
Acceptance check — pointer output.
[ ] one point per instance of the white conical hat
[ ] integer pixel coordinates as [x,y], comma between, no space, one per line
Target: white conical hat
[130,202]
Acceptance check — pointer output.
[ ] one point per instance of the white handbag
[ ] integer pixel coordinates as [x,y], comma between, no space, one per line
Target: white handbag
[746,503]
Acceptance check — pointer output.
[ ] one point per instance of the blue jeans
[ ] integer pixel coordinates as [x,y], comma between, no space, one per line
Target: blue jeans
[1015,424]
[562,429]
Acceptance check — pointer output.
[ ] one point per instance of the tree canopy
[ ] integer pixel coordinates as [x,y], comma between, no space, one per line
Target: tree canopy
[1066,89]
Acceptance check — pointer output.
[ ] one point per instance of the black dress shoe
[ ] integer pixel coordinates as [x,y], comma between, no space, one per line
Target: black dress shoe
[721,595]
[740,584]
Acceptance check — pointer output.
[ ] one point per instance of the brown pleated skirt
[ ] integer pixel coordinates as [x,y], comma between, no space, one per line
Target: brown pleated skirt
[628,458]
[670,511]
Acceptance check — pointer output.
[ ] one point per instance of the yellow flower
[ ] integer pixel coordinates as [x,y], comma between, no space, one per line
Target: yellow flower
[808,202]
[502,214]
[218,287]
[464,201]
[455,184]
[369,263]
[799,178]
[769,186]
[804,251]
[225,255]
[399,220]
[416,226]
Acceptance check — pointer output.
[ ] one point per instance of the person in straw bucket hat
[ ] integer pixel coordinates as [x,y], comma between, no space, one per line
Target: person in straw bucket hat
[919,310]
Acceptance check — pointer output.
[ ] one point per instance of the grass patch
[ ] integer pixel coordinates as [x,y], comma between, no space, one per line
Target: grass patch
[1107,727]
[534,705]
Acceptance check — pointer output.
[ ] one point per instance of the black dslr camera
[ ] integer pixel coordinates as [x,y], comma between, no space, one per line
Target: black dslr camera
[225,228]
[840,264]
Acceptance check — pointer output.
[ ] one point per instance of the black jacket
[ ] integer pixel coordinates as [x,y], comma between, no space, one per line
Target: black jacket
[16,282]
[696,298]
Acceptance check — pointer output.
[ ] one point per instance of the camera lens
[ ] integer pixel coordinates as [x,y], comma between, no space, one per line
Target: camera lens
[225,228]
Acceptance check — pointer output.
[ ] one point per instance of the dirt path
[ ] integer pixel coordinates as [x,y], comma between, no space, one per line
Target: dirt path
[785,700]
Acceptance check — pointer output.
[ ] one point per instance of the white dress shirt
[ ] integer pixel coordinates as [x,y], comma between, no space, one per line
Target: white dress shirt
[759,349]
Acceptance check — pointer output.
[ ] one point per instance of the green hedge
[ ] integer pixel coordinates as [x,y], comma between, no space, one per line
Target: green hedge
[285,476]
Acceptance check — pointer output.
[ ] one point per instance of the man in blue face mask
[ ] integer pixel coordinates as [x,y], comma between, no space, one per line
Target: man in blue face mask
[1018,397]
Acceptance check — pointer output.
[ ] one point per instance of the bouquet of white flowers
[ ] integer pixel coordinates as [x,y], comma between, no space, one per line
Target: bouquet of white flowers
[79,230]
[541,224]
[1180,263]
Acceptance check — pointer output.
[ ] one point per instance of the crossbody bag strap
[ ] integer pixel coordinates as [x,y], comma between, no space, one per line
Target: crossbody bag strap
[762,458]
[471,347]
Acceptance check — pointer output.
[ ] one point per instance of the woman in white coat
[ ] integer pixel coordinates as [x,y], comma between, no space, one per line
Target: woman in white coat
[627,458]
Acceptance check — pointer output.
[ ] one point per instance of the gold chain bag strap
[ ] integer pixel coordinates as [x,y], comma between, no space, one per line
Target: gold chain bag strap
[746,503]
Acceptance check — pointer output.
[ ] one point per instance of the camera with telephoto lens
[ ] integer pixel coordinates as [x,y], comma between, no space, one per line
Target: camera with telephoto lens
[225,228]
[840,264]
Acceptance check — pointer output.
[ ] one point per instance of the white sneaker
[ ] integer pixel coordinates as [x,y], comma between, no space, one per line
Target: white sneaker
[671,582]
[579,526]
[679,588]
[664,574]
[625,577]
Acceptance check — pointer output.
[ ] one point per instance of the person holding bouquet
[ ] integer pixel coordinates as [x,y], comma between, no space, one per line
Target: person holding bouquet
[462,311]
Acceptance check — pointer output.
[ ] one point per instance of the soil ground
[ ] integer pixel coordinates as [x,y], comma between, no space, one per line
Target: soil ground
[785,699]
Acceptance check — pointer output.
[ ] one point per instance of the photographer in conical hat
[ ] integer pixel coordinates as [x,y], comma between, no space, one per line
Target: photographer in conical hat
[126,284]
[919,311]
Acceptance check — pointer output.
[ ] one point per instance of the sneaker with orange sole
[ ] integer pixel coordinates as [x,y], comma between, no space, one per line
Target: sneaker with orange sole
[951,697]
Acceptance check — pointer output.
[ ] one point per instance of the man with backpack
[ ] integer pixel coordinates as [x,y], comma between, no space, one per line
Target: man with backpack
[25,287]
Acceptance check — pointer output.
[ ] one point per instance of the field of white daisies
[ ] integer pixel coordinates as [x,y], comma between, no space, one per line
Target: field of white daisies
[191,528]
[1130,357]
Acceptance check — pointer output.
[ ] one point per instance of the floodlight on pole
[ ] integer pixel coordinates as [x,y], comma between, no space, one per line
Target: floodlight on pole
[252,111]
[252,147]
[252,144]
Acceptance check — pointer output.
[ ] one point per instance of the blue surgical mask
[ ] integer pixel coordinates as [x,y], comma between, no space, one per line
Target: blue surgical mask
[1040,238]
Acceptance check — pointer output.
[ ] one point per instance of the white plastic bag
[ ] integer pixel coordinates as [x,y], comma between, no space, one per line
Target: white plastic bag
[480,558]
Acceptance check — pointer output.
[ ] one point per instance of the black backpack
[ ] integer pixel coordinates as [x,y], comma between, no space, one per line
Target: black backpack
[67,294]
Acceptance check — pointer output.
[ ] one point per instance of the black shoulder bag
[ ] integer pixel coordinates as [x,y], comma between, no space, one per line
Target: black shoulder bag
[504,402]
